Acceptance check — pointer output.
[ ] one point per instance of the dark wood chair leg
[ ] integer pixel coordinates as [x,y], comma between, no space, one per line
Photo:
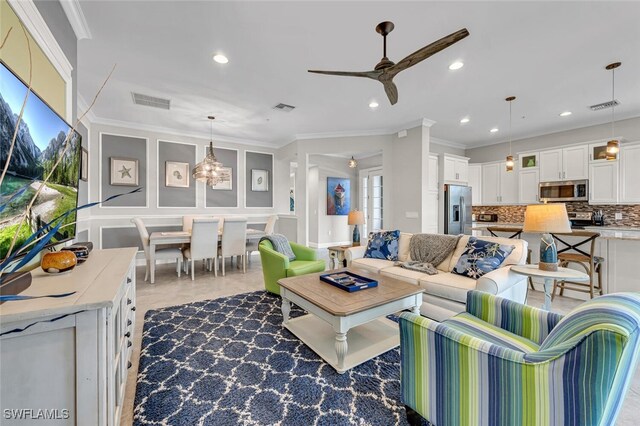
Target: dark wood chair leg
[413,418]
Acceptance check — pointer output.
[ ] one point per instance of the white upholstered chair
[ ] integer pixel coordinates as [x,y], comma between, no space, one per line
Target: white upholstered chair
[160,254]
[234,240]
[204,244]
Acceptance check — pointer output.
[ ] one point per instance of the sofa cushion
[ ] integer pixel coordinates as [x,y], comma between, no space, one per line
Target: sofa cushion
[373,265]
[473,326]
[518,255]
[383,245]
[448,286]
[403,247]
[481,257]
[403,274]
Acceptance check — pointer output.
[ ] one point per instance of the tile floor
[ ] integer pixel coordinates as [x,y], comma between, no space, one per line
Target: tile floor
[169,290]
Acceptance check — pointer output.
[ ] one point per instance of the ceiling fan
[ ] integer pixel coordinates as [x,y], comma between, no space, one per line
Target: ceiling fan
[386,69]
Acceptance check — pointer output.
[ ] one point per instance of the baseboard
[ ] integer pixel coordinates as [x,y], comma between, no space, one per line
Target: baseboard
[325,245]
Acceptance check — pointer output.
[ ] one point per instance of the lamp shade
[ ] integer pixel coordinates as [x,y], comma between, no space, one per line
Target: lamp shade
[356,217]
[546,218]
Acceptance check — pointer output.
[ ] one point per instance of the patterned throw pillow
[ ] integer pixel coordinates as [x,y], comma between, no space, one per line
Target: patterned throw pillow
[481,257]
[383,245]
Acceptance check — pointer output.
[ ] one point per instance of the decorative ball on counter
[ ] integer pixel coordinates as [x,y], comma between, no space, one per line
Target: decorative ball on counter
[59,261]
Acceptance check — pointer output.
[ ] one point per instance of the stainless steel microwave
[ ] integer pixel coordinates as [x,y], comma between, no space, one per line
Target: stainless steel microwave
[568,190]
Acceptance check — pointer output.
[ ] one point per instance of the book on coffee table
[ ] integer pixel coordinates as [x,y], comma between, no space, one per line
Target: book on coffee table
[348,281]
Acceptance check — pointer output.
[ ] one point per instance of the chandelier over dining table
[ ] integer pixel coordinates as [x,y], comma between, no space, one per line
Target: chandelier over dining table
[210,170]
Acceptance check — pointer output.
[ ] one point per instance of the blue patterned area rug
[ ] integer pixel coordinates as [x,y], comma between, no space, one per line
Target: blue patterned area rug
[229,361]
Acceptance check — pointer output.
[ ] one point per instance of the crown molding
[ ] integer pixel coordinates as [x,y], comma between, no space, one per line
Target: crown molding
[428,123]
[175,132]
[448,143]
[76,18]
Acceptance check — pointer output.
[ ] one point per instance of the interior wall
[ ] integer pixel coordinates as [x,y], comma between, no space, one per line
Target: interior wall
[628,129]
[436,148]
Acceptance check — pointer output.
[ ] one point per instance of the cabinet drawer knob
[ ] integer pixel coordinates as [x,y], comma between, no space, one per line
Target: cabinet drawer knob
[129,364]
[127,334]
[128,280]
[129,301]
[133,309]
[129,343]
[128,322]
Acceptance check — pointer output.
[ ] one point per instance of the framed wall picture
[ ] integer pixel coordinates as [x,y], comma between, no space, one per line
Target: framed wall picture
[259,180]
[176,174]
[228,184]
[84,165]
[338,196]
[124,171]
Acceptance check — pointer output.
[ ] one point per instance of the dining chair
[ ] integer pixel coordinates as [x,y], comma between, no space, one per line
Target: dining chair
[234,240]
[204,244]
[269,229]
[160,254]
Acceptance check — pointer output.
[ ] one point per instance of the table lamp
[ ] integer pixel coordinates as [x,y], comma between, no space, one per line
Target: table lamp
[547,219]
[356,218]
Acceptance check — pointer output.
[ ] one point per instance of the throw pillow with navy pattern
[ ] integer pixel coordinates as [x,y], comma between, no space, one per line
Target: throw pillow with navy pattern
[383,245]
[481,257]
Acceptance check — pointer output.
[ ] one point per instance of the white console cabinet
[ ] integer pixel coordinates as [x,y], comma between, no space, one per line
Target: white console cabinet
[70,355]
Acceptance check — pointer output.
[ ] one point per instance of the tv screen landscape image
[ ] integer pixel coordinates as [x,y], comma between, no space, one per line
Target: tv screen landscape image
[40,143]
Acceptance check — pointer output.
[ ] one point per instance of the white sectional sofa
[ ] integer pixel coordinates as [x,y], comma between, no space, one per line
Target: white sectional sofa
[446,293]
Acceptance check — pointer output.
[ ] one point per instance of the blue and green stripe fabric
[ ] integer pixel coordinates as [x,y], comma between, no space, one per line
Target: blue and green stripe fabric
[503,363]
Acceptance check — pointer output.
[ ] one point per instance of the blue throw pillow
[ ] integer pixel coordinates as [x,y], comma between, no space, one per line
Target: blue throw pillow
[481,257]
[383,245]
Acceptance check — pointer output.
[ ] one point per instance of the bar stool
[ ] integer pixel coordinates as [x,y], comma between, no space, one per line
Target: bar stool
[573,254]
[517,233]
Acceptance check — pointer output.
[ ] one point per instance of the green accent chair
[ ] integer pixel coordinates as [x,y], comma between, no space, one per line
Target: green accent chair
[276,265]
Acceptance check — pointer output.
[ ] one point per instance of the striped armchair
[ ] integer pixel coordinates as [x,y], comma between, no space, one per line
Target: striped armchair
[503,363]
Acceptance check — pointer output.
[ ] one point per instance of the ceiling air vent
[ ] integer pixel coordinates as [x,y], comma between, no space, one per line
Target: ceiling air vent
[284,107]
[604,105]
[150,101]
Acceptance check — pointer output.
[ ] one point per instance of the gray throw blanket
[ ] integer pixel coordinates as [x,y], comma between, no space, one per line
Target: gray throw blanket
[280,244]
[429,250]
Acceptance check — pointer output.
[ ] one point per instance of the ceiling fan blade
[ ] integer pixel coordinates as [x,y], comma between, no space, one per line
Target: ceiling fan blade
[427,51]
[368,74]
[391,90]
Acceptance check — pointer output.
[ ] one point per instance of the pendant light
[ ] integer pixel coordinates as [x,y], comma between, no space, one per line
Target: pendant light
[210,170]
[510,163]
[352,163]
[613,146]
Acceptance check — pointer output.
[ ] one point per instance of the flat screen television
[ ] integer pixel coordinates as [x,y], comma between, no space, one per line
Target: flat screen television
[40,143]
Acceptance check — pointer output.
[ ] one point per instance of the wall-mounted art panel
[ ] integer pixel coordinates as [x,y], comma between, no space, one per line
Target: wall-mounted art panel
[174,157]
[262,162]
[222,196]
[119,146]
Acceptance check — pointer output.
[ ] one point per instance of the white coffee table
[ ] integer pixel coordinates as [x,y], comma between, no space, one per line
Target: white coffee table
[549,277]
[334,313]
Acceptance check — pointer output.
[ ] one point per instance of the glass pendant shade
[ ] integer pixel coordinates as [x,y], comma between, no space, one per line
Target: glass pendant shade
[613,146]
[353,163]
[510,163]
[210,170]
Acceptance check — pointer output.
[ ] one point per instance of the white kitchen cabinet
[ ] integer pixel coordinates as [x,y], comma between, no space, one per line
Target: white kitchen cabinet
[603,182]
[455,169]
[528,181]
[475,182]
[630,173]
[551,165]
[598,152]
[432,180]
[575,162]
[508,184]
[490,184]
[569,163]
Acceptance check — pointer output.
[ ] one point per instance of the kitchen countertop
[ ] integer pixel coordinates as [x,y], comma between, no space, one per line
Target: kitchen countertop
[610,232]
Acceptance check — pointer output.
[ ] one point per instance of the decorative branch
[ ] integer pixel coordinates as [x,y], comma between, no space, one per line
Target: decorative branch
[4,40]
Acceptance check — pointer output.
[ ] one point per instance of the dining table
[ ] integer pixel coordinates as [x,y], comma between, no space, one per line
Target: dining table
[183,237]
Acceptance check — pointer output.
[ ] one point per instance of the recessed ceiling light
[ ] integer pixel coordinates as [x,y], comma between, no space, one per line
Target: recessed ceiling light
[566,113]
[495,129]
[456,66]
[373,105]
[464,120]
[221,59]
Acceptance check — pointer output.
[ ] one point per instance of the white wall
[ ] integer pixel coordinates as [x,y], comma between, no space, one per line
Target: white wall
[628,129]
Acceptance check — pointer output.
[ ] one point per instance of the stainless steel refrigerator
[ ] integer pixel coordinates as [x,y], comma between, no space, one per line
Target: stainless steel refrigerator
[457,209]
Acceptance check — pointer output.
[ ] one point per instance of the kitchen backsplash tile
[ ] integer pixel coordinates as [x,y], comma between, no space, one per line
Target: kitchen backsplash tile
[515,214]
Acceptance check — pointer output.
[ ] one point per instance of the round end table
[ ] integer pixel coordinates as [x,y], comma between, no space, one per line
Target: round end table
[549,277]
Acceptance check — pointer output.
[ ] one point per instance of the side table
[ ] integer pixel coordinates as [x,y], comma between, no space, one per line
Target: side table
[549,277]
[336,256]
